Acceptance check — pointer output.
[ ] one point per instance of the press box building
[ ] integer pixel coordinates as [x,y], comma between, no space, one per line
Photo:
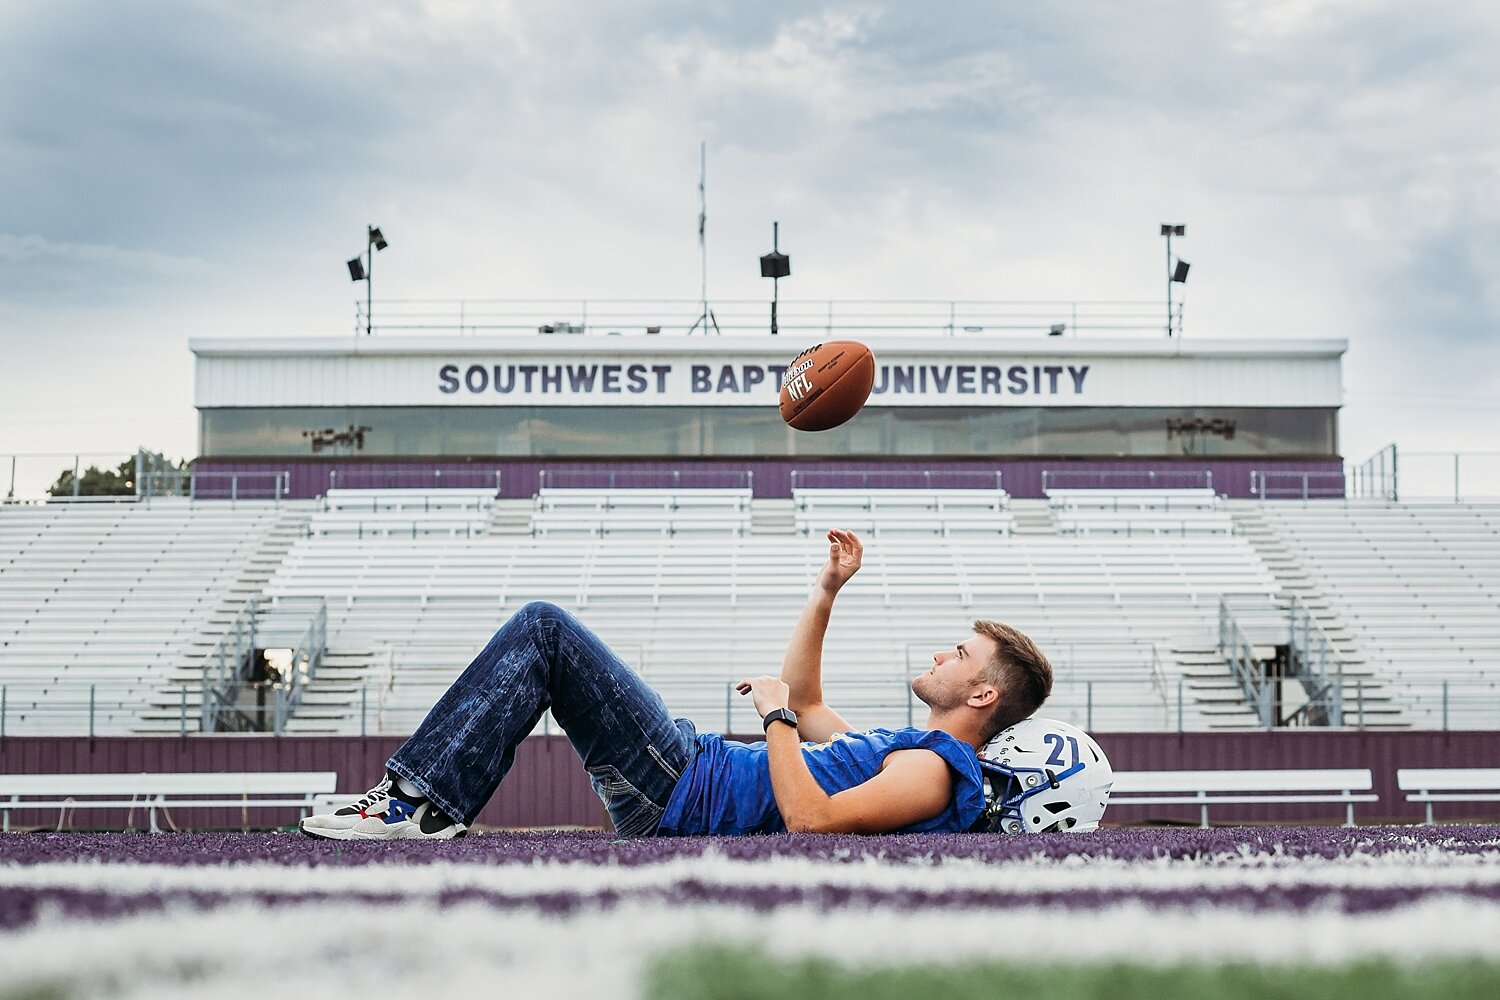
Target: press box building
[1247,416]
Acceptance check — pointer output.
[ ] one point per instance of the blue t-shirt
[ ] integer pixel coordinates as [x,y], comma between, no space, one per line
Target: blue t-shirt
[727,788]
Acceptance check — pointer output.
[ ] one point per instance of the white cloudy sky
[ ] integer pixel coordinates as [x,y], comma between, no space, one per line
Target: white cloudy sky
[182,169]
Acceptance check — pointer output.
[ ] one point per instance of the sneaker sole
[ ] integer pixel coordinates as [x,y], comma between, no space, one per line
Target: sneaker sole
[412,833]
[325,833]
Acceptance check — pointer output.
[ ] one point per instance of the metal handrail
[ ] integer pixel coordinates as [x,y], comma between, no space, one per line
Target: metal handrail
[1376,477]
[220,673]
[820,317]
[307,656]
[200,485]
[1315,662]
[1261,488]
[1238,653]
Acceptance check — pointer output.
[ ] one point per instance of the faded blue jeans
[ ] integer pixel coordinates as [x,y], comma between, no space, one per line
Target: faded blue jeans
[543,657]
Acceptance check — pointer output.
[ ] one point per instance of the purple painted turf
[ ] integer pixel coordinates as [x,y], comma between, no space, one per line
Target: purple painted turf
[22,905]
[1132,844]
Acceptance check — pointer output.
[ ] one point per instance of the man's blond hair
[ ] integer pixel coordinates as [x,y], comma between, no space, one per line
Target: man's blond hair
[1021,672]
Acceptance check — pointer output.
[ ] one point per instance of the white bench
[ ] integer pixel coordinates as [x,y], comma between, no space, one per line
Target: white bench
[181,790]
[1134,500]
[1449,784]
[425,500]
[627,498]
[1205,788]
[882,511]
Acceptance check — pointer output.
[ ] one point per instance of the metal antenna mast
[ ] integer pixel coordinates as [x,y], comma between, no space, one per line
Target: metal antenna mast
[706,318]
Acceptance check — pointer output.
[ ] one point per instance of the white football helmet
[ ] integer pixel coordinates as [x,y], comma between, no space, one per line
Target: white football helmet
[1044,776]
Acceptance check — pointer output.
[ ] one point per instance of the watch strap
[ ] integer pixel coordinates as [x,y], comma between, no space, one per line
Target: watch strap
[779,715]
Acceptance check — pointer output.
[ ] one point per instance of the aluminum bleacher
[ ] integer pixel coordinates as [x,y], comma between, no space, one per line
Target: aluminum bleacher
[1139,511]
[97,600]
[697,588]
[599,512]
[410,512]
[887,511]
[694,617]
[1418,587]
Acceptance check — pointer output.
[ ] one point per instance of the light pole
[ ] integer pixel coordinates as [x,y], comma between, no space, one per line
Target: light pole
[775,265]
[1177,272]
[362,268]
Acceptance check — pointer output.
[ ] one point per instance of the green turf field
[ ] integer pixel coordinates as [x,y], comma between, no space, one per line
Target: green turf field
[718,973]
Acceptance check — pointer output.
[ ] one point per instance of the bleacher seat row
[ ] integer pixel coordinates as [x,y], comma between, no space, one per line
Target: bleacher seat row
[1118,586]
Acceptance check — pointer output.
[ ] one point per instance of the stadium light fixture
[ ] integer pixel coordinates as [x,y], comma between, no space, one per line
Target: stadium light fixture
[362,268]
[1177,272]
[775,265]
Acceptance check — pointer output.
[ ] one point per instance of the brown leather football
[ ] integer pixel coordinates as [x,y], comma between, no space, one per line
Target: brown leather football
[827,384]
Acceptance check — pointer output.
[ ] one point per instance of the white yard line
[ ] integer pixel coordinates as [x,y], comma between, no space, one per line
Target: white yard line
[333,949]
[1417,869]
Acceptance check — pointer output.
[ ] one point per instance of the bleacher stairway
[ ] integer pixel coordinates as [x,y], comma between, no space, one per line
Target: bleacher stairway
[1417,586]
[1364,688]
[177,702]
[96,600]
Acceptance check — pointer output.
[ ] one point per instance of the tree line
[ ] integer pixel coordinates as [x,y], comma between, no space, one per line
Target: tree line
[116,482]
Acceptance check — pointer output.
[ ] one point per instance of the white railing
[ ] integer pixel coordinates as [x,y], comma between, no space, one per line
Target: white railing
[1127,479]
[646,479]
[215,485]
[1448,476]
[896,479]
[797,318]
[437,479]
[1279,484]
[1390,474]
[28,475]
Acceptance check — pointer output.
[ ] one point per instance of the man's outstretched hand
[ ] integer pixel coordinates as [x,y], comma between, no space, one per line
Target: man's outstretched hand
[770,693]
[844,556]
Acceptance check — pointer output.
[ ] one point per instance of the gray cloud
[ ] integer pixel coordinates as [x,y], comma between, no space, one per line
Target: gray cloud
[203,168]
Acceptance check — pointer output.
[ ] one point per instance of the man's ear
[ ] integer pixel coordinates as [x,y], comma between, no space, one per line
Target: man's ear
[985,696]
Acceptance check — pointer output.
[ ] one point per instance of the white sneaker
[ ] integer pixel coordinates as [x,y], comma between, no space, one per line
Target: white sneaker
[403,820]
[337,824]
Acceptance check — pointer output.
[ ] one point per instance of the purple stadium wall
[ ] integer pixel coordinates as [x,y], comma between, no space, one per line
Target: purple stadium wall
[548,786]
[772,478]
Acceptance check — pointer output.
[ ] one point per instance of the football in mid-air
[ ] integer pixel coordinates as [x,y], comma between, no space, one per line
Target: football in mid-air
[827,384]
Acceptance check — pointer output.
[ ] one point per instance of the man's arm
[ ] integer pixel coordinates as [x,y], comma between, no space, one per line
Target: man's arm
[802,667]
[914,784]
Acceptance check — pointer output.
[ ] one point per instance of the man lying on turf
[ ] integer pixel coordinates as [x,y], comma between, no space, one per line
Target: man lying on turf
[658,776]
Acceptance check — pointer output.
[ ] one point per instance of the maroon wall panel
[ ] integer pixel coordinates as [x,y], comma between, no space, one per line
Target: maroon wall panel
[1382,752]
[548,786]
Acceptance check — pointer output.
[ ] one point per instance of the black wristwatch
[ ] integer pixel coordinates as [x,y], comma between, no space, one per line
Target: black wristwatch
[779,715]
